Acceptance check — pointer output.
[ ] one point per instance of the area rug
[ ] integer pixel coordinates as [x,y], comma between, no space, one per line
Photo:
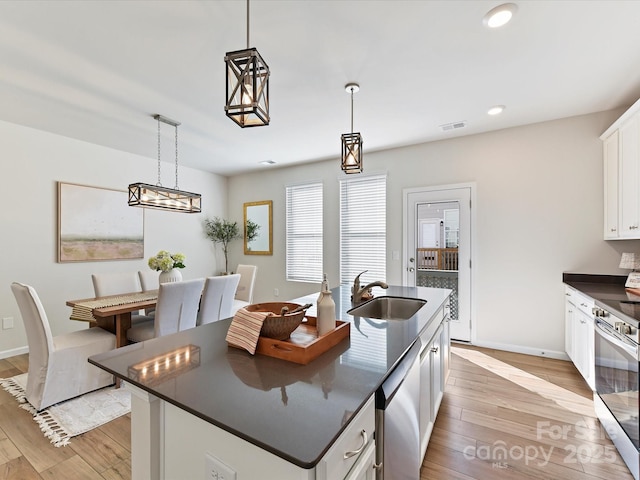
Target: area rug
[67,419]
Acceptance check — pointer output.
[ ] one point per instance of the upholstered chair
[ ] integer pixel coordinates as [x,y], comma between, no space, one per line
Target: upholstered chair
[217,298]
[149,280]
[58,366]
[244,293]
[176,310]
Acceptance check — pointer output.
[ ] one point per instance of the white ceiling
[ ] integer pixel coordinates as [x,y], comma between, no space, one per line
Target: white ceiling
[97,71]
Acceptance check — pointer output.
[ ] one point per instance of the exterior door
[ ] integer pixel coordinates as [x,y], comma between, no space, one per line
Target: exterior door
[446,266]
[429,233]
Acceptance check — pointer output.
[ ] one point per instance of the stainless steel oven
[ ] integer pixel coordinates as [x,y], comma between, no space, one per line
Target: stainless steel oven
[616,381]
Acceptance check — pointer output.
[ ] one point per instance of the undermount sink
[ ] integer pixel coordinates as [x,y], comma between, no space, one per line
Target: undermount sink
[388,308]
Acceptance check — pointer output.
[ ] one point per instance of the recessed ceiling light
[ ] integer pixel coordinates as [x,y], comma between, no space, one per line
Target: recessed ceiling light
[267,162]
[496,110]
[500,15]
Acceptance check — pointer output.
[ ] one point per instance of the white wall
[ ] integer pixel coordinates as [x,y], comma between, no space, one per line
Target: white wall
[32,162]
[539,212]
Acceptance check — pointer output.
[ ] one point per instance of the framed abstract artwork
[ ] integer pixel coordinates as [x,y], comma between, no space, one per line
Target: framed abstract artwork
[96,224]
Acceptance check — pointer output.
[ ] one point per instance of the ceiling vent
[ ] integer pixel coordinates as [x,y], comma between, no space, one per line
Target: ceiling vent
[453,126]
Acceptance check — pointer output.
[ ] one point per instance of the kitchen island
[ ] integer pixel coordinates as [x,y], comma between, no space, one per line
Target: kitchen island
[191,385]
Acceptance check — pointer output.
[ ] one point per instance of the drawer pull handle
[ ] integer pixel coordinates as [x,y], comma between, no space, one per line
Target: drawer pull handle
[353,453]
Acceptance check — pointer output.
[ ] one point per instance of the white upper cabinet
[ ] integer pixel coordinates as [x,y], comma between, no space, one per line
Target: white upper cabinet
[611,187]
[621,144]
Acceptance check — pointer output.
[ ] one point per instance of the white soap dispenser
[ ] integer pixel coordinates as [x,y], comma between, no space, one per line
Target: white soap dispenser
[326,310]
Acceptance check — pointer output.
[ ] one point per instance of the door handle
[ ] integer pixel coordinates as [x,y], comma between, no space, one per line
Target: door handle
[411,269]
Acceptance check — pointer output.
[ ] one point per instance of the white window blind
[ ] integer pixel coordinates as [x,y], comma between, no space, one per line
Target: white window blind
[304,232]
[363,221]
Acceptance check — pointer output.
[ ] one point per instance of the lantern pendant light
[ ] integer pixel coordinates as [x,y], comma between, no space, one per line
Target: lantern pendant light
[352,142]
[247,93]
[163,198]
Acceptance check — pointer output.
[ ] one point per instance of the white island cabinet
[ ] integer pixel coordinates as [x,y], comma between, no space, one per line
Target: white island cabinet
[203,410]
[434,372]
[187,447]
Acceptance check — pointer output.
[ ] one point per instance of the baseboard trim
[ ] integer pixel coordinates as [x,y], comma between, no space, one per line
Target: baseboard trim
[13,352]
[538,352]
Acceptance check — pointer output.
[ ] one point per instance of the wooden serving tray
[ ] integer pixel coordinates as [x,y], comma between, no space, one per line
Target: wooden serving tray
[303,345]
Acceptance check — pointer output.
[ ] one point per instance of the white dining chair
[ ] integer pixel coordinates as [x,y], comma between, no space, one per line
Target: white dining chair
[176,310]
[58,366]
[217,298]
[106,284]
[244,293]
[149,280]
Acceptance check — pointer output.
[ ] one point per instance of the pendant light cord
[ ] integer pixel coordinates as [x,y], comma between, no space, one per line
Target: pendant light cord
[248,25]
[159,184]
[351,109]
[177,158]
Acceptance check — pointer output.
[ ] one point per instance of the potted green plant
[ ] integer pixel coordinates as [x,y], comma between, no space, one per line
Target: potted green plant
[222,231]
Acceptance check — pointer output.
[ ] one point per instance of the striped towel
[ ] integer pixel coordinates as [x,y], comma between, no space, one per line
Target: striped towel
[244,330]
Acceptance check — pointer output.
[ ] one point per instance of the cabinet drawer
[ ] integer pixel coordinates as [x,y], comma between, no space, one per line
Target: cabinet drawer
[583,303]
[334,464]
[570,294]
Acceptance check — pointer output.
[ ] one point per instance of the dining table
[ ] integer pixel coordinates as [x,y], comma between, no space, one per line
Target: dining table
[113,312]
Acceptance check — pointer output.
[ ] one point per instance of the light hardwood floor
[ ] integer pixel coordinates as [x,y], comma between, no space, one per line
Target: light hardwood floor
[25,454]
[537,410]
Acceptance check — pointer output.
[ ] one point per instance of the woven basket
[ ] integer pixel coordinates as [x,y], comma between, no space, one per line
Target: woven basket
[278,326]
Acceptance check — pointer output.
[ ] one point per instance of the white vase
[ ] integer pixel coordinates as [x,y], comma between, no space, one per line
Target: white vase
[173,275]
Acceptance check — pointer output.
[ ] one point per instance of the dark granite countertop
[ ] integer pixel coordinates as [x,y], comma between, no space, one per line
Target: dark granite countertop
[608,292]
[293,411]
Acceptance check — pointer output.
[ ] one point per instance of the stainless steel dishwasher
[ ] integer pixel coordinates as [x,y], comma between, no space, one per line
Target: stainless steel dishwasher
[397,420]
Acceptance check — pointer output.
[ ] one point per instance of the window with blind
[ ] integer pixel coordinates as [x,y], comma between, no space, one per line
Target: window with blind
[304,232]
[363,232]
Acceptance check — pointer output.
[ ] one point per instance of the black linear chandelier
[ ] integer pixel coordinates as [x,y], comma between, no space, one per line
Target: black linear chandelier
[157,196]
[352,142]
[247,94]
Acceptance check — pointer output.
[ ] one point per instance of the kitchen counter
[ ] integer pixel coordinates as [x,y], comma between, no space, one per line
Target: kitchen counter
[608,292]
[293,411]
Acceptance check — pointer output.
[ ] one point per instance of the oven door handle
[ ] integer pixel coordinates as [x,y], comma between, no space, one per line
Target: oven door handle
[611,336]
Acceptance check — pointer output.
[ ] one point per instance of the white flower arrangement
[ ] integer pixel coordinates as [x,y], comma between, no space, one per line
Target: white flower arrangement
[166,261]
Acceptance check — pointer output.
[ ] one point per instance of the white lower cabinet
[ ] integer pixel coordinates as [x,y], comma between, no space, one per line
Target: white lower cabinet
[434,371]
[569,319]
[579,333]
[347,453]
[364,468]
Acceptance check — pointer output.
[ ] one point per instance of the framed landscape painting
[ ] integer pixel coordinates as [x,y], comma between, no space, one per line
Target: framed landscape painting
[97,224]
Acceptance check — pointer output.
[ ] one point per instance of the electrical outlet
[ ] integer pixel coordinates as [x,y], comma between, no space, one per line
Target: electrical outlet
[7,323]
[276,292]
[214,469]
